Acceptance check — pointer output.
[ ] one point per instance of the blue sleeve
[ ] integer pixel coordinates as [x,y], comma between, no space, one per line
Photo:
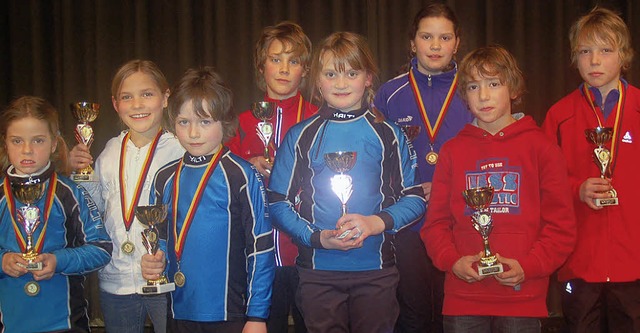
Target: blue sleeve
[91,248]
[259,248]
[284,183]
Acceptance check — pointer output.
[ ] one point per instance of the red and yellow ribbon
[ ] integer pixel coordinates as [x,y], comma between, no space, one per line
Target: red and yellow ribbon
[432,130]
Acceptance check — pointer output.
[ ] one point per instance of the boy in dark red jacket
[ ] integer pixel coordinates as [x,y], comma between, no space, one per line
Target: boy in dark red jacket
[533,220]
[602,275]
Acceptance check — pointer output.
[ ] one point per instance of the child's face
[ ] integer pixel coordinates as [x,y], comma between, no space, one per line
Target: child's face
[282,72]
[140,104]
[29,144]
[490,102]
[599,64]
[435,44]
[342,90]
[199,136]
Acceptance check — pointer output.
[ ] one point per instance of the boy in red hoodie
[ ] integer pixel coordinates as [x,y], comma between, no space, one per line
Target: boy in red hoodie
[533,221]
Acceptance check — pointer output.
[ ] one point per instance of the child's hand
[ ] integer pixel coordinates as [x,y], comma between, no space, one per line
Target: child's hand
[512,277]
[594,188]
[359,227]
[262,165]
[426,188]
[80,157]
[153,265]
[13,264]
[49,263]
[463,268]
[254,327]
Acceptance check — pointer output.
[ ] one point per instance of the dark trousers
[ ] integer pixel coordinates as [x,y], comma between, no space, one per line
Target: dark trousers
[421,286]
[187,326]
[491,324]
[341,302]
[602,307]
[285,286]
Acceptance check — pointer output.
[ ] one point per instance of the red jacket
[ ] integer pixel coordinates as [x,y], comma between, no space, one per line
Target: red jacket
[247,144]
[533,219]
[608,247]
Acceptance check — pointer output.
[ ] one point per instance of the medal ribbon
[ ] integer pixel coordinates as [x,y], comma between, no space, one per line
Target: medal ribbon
[11,202]
[432,130]
[299,116]
[180,239]
[128,214]
[590,98]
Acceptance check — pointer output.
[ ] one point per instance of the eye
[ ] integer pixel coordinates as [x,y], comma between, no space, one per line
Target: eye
[182,122]
[583,51]
[275,60]
[206,122]
[148,94]
[125,97]
[330,74]
[607,50]
[472,86]
[295,61]
[39,140]
[426,36]
[16,141]
[494,84]
[446,38]
[353,74]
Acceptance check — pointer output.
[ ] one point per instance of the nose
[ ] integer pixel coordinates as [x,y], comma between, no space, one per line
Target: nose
[27,148]
[483,93]
[137,102]
[595,58]
[435,45]
[194,133]
[341,82]
[284,67]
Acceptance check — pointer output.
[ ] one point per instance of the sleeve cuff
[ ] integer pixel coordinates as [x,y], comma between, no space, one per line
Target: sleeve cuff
[260,320]
[315,240]
[387,219]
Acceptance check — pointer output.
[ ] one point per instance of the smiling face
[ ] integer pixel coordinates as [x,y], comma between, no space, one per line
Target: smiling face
[29,144]
[283,71]
[342,90]
[199,136]
[434,44]
[140,104]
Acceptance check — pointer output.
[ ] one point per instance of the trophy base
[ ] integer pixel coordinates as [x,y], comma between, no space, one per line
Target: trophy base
[490,270]
[80,177]
[32,266]
[158,289]
[606,202]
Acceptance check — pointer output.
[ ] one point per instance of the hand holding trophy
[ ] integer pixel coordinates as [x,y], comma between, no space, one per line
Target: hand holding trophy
[479,200]
[341,184]
[602,158]
[84,112]
[29,218]
[264,111]
[151,216]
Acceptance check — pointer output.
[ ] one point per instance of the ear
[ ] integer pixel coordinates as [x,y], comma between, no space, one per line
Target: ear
[54,143]
[413,46]
[305,71]
[115,103]
[165,100]
[369,80]
[455,49]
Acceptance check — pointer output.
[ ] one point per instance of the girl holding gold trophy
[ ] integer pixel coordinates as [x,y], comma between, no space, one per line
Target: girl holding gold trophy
[51,234]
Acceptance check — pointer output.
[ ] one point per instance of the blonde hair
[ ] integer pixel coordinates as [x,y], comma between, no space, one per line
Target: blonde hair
[293,39]
[204,86]
[488,61]
[602,26]
[347,48]
[38,108]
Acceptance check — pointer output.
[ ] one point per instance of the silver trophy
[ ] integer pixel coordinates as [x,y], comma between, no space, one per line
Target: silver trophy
[29,217]
[602,158]
[479,200]
[264,111]
[342,184]
[151,216]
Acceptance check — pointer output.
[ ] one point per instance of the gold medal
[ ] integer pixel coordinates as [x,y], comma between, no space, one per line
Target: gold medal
[127,247]
[432,157]
[32,288]
[179,279]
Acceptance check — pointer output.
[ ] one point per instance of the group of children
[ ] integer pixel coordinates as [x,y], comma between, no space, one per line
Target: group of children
[373,262]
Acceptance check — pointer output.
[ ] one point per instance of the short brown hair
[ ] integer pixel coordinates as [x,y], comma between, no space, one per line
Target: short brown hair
[602,26]
[204,86]
[292,38]
[492,60]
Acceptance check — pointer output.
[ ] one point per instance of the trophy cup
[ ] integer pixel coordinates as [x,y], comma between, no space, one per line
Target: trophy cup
[29,217]
[411,131]
[84,112]
[479,200]
[151,216]
[341,184]
[602,158]
[264,111]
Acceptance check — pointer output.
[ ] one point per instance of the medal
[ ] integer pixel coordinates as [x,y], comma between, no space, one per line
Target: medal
[127,247]
[32,288]
[432,157]
[179,279]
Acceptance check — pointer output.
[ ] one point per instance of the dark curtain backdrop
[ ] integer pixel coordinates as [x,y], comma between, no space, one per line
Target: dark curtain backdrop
[68,50]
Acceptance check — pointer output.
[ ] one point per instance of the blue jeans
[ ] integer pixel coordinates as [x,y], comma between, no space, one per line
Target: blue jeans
[491,324]
[127,313]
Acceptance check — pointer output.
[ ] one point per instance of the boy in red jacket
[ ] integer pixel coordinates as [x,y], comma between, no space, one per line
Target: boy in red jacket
[602,275]
[533,220]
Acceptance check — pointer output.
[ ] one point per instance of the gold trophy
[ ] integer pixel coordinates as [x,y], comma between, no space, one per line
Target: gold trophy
[411,131]
[264,111]
[84,112]
[29,217]
[479,199]
[151,216]
[341,184]
[602,158]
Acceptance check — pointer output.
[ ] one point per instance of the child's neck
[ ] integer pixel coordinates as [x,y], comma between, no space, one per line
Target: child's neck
[142,139]
[279,97]
[498,125]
